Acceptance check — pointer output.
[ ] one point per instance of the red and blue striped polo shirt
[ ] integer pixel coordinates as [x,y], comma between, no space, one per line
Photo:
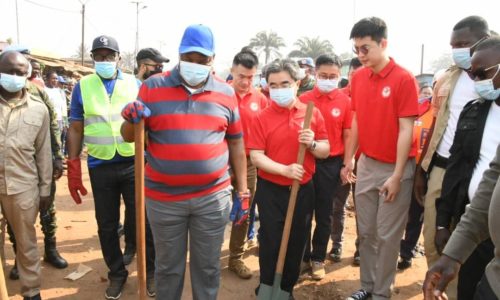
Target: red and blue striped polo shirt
[187,148]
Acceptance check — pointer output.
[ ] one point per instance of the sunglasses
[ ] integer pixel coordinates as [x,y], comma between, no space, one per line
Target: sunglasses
[481,73]
[363,49]
[156,66]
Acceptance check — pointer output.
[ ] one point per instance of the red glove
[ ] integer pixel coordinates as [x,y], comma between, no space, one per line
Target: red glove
[75,184]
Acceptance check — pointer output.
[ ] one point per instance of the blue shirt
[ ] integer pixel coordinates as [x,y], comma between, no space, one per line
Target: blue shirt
[76,114]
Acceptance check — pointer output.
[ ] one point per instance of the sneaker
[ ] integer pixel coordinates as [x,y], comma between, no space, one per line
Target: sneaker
[36,297]
[335,254]
[404,263]
[318,270]
[359,295]
[305,267]
[357,259]
[114,290]
[150,287]
[238,267]
[128,255]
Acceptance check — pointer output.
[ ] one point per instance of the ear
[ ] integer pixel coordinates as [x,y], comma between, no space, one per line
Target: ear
[383,44]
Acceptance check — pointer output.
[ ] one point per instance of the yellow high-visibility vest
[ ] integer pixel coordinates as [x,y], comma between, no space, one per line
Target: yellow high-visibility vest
[102,115]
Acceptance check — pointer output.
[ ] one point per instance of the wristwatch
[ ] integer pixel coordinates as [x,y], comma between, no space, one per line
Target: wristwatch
[313,146]
[440,228]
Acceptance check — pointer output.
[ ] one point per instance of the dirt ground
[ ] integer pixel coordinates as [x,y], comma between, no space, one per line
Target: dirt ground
[79,244]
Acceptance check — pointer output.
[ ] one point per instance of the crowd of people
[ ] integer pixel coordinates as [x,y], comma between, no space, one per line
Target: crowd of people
[218,151]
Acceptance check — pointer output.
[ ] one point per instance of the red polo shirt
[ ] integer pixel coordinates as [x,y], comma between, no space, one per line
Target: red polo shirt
[249,106]
[336,110]
[379,100]
[276,131]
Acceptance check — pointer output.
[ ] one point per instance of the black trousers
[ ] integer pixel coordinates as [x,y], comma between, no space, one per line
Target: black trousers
[473,268]
[272,200]
[484,291]
[109,183]
[326,181]
[413,229]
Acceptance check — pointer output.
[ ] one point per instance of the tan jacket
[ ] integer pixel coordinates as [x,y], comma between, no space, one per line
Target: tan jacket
[25,153]
[480,221]
[440,98]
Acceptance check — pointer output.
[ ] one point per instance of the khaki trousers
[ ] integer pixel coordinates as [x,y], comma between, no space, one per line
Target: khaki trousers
[433,192]
[21,211]
[380,224]
[239,232]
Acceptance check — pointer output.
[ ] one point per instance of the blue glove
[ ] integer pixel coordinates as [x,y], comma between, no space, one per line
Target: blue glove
[134,111]
[239,211]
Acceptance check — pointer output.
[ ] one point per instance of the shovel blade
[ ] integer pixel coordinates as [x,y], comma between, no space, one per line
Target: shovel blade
[274,292]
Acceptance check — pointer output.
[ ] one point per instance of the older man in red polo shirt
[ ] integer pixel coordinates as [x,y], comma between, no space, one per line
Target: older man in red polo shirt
[385,104]
[335,107]
[274,144]
[250,103]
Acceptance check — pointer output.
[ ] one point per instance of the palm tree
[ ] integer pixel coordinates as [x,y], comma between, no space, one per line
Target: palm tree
[311,47]
[269,43]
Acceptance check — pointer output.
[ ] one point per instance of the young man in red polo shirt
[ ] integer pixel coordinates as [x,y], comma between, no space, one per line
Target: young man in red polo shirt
[274,144]
[384,102]
[250,103]
[335,108]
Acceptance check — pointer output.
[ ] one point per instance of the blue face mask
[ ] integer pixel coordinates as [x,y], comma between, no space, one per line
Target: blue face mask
[192,73]
[462,58]
[263,83]
[486,89]
[12,83]
[327,85]
[105,69]
[283,97]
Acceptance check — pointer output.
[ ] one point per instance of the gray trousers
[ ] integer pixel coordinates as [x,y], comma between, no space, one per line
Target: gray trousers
[203,220]
[381,225]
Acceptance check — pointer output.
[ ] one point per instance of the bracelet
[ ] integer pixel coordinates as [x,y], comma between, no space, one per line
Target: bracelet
[440,228]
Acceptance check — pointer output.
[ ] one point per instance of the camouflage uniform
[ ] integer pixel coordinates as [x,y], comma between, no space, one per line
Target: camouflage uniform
[306,86]
[48,221]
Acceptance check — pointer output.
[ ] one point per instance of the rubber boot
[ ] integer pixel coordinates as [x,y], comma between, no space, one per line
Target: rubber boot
[52,256]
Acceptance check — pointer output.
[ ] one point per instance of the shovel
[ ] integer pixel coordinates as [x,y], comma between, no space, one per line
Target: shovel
[140,214]
[274,292]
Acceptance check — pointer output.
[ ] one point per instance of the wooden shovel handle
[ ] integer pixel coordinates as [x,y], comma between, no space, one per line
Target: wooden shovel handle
[293,196]
[140,213]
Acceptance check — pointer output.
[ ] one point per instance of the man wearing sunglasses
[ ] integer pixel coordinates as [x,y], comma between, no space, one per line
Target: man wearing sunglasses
[476,138]
[451,93]
[149,62]
[384,104]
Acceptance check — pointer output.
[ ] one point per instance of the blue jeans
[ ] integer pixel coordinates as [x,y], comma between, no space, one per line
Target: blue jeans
[203,220]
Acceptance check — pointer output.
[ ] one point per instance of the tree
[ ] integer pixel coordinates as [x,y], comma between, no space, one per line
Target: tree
[311,47]
[128,61]
[268,43]
[442,62]
[86,52]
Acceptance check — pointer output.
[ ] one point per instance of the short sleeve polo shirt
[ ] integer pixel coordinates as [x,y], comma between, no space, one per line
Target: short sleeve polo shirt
[335,107]
[276,131]
[379,101]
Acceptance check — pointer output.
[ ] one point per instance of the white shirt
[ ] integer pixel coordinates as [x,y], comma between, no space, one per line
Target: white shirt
[56,96]
[489,144]
[463,92]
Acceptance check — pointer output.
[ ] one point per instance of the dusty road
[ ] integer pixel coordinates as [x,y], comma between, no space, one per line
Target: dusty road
[78,243]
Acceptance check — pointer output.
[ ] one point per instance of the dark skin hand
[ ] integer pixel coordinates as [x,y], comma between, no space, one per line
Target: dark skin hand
[45,203]
[438,277]
[57,167]
[441,238]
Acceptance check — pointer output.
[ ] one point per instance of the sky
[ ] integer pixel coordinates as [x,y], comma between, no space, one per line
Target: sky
[55,25]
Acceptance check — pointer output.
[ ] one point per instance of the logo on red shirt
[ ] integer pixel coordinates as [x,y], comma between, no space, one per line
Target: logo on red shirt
[386,92]
[335,112]
[254,106]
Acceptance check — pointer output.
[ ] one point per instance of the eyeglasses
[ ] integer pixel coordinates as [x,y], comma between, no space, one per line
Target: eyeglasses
[156,66]
[327,76]
[363,49]
[109,57]
[481,73]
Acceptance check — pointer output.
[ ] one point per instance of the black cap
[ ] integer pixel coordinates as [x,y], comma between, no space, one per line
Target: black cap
[105,42]
[152,54]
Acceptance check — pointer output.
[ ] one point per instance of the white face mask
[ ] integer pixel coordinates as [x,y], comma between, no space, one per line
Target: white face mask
[327,85]
[192,73]
[283,97]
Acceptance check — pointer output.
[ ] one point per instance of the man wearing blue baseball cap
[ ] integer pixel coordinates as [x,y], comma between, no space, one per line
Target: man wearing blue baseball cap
[194,132]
